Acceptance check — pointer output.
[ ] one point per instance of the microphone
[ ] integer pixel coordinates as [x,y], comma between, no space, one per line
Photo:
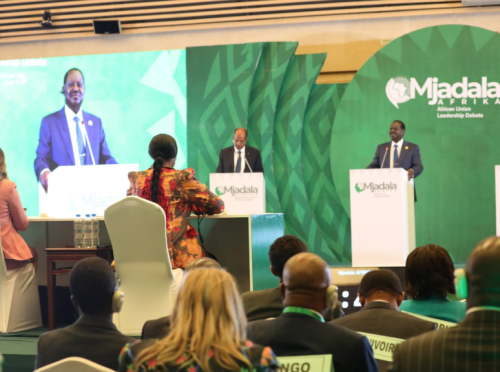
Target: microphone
[88,144]
[383,160]
[246,161]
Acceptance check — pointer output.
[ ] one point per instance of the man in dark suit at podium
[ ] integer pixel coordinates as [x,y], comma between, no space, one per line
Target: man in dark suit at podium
[240,158]
[398,153]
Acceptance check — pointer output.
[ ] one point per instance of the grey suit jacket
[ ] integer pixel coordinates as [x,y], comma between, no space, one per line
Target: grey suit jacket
[471,346]
[380,318]
[268,303]
[92,338]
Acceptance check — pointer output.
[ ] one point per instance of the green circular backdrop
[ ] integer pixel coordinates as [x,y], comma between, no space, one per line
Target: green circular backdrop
[456,191]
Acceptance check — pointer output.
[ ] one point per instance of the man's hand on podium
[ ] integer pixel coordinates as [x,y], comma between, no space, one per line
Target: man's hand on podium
[44,180]
[410,174]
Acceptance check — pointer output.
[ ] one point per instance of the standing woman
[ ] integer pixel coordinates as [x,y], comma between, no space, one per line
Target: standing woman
[179,193]
[13,218]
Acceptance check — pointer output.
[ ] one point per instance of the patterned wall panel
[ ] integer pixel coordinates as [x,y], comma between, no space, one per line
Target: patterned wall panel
[219,79]
[328,212]
[266,88]
[287,143]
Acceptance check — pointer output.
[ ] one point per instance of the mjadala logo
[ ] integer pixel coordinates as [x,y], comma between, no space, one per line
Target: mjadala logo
[238,191]
[401,89]
[373,187]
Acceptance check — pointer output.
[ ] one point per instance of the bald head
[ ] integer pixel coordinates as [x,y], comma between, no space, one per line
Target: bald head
[483,275]
[240,138]
[306,278]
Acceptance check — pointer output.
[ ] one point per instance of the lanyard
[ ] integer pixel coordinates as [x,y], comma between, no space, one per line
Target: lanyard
[301,310]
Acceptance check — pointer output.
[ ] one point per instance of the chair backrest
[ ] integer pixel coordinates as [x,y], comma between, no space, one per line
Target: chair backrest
[138,234]
[74,364]
[3,267]
[316,363]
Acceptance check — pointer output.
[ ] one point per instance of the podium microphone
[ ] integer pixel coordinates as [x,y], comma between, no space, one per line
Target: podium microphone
[88,145]
[383,160]
[249,167]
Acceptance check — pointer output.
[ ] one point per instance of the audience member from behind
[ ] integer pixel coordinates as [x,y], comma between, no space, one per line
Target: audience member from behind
[473,344]
[301,329]
[268,303]
[93,336]
[13,218]
[160,328]
[429,279]
[208,332]
[380,294]
[179,193]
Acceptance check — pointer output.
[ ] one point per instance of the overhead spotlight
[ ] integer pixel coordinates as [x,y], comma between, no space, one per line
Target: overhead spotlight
[47,19]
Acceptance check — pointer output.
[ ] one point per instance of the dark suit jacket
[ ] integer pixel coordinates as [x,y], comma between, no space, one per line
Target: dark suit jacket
[54,144]
[380,318]
[296,334]
[473,345]
[226,160]
[92,338]
[268,303]
[158,328]
[408,158]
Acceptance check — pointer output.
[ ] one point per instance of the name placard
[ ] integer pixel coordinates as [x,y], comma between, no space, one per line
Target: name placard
[383,346]
[306,363]
[440,323]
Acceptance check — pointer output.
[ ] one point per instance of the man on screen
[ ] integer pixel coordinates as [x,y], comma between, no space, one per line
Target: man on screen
[398,153]
[240,158]
[70,133]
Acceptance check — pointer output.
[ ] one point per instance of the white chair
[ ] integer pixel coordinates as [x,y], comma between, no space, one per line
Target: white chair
[139,238]
[19,299]
[74,364]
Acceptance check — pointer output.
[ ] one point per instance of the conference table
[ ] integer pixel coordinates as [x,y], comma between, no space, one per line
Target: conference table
[240,242]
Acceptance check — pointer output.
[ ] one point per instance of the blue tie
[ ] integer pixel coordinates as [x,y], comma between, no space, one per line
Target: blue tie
[396,157]
[79,141]
[238,163]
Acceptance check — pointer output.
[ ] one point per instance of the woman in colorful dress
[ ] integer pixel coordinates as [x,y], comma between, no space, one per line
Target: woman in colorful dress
[179,193]
[208,332]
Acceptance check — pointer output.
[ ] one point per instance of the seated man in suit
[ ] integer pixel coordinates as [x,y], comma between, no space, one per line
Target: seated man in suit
[160,328]
[93,336]
[473,345]
[268,303]
[380,294]
[301,330]
[70,136]
[238,158]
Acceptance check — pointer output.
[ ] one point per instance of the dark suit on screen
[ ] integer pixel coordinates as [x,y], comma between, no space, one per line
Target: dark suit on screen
[471,346]
[296,334]
[381,318]
[54,144]
[92,338]
[268,303]
[158,328]
[226,160]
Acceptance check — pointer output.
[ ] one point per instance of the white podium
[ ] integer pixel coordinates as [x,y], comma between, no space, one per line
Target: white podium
[84,189]
[243,193]
[382,217]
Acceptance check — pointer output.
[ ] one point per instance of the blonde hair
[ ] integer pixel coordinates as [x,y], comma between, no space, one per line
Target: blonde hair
[208,318]
[3,167]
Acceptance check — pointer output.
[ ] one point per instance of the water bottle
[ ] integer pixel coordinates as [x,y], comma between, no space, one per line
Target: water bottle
[95,231]
[87,232]
[78,231]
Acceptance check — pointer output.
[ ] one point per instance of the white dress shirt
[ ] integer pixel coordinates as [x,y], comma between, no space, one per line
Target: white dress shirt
[243,163]
[400,145]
